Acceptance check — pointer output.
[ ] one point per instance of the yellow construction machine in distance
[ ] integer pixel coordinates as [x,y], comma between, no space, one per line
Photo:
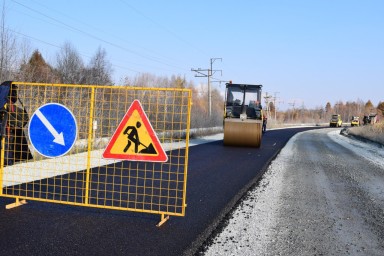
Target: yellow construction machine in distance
[355,121]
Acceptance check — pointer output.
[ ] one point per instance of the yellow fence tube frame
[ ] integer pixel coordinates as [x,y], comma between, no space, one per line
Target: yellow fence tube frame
[89,149]
[83,177]
[2,141]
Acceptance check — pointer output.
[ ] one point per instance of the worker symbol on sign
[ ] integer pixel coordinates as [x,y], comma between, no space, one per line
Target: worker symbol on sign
[135,139]
[132,136]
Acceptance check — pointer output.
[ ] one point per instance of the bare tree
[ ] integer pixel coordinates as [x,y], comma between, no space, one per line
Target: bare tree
[99,71]
[24,52]
[69,65]
[8,50]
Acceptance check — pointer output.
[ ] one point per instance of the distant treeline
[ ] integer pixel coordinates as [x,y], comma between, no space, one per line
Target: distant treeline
[323,114]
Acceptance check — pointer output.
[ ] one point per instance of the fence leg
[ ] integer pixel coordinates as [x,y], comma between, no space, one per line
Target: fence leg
[16,204]
[163,220]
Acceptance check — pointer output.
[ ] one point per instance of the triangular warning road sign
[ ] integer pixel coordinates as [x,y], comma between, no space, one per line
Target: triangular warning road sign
[135,139]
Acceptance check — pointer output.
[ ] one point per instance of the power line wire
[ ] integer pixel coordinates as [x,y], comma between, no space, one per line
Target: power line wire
[59,47]
[94,37]
[165,29]
[106,32]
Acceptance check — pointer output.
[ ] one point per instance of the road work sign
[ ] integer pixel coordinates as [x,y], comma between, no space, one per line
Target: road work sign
[52,130]
[135,139]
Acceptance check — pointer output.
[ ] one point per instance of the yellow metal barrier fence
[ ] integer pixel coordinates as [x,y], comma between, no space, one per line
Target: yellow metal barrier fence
[57,153]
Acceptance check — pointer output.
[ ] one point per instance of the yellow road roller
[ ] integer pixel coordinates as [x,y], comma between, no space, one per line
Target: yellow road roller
[243,115]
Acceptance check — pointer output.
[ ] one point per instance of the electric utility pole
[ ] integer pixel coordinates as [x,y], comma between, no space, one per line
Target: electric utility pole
[267,101]
[274,103]
[208,73]
[292,104]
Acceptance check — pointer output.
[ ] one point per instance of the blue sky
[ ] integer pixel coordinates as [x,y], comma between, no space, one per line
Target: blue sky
[304,52]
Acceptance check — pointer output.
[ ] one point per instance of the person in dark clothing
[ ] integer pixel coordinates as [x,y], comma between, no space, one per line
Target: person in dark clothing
[264,123]
[13,119]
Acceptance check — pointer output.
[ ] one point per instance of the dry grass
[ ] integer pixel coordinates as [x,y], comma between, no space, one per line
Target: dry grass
[371,132]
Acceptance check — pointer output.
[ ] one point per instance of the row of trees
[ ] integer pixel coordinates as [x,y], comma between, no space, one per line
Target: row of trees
[70,69]
[323,114]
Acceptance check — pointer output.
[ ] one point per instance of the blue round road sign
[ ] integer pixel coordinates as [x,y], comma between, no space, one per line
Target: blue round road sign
[52,130]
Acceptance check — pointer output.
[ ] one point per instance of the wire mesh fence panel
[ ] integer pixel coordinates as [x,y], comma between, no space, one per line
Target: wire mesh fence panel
[57,153]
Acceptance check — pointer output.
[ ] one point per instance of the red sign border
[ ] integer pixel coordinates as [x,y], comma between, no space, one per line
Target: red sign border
[161,157]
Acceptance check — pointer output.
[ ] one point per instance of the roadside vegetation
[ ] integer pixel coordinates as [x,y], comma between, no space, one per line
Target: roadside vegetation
[374,133]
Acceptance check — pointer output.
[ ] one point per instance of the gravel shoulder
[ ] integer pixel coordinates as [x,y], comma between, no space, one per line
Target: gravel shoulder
[323,195]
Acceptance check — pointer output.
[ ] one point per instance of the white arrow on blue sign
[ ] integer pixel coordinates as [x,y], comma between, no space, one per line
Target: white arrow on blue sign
[52,130]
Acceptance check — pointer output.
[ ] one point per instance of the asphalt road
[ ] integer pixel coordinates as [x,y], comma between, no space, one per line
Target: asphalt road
[218,177]
[322,195]
[335,198]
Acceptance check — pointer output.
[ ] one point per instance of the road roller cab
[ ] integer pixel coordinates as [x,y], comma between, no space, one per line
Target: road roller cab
[336,121]
[355,121]
[243,115]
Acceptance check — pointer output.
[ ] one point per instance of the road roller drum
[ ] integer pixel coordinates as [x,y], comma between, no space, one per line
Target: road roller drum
[243,115]
[242,133]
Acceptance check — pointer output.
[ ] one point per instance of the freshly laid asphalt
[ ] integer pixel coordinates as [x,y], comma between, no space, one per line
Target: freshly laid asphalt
[218,176]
